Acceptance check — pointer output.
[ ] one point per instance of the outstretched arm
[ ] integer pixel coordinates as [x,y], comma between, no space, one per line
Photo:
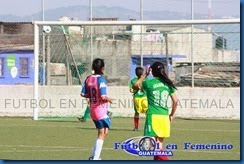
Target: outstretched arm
[138,84]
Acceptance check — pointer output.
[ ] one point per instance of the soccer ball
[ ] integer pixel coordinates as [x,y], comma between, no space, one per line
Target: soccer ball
[47,29]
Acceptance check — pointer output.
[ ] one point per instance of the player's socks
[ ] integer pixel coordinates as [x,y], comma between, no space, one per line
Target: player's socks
[109,114]
[163,157]
[136,123]
[98,148]
[155,158]
[87,113]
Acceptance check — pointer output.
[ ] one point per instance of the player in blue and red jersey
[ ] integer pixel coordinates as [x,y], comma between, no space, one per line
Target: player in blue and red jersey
[95,89]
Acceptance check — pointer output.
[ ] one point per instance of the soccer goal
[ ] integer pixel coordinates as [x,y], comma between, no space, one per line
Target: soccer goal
[202,58]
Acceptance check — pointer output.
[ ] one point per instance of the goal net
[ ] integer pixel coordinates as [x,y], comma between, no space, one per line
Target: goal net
[202,58]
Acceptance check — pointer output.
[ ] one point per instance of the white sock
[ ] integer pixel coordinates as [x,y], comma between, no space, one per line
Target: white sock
[94,148]
[93,151]
[97,149]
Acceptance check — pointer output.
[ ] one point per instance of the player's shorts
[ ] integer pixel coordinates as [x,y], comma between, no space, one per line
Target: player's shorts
[157,125]
[140,104]
[103,123]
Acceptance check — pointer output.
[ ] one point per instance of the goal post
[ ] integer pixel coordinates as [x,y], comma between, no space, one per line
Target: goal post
[36,69]
[118,42]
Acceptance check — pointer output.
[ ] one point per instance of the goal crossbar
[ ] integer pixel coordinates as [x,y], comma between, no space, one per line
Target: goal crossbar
[154,22]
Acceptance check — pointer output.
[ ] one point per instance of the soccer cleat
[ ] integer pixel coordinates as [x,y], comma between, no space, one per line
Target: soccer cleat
[91,158]
[81,119]
[135,129]
[109,114]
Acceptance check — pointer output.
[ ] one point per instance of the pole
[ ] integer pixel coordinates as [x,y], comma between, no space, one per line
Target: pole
[43,49]
[141,38]
[167,53]
[209,13]
[222,48]
[43,59]
[48,61]
[192,48]
[91,29]
[43,14]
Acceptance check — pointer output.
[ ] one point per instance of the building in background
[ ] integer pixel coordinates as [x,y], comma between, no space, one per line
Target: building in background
[16,53]
[17,67]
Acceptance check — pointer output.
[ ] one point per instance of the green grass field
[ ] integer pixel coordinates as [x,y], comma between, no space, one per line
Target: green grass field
[68,139]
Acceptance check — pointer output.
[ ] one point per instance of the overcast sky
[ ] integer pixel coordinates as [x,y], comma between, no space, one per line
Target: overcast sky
[29,7]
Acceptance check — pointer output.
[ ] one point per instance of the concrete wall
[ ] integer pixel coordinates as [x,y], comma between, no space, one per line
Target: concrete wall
[221,103]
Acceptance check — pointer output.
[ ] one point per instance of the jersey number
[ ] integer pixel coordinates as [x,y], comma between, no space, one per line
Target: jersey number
[93,95]
[160,99]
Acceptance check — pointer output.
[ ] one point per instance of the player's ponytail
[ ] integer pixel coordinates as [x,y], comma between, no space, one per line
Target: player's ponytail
[158,70]
[97,66]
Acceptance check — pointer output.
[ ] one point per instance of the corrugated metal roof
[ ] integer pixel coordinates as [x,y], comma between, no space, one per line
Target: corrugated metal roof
[15,22]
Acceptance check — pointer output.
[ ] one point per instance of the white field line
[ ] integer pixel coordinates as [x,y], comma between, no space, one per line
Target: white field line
[77,126]
[15,149]
[126,122]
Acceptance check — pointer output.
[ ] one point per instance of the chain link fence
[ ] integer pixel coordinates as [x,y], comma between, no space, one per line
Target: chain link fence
[212,56]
